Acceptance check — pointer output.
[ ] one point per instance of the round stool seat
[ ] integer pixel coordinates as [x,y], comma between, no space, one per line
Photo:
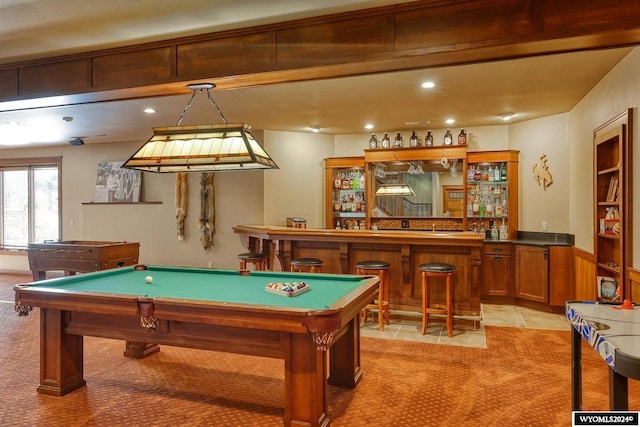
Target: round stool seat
[311,265]
[307,262]
[251,255]
[437,267]
[258,259]
[373,265]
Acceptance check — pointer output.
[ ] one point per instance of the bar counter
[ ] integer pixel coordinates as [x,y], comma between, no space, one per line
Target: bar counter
[404,250]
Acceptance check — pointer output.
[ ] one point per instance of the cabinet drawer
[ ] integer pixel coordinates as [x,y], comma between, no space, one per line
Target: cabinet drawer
[497,249]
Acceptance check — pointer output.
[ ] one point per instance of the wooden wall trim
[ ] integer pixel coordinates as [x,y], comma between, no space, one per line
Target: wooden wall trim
[411,35]
[585,275]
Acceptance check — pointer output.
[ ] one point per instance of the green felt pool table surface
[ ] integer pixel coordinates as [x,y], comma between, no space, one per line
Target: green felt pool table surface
[225,286]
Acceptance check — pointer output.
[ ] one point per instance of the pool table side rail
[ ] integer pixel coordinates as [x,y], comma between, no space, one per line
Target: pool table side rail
[290,319]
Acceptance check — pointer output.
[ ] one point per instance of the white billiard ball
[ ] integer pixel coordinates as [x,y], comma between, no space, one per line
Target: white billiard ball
[148,279]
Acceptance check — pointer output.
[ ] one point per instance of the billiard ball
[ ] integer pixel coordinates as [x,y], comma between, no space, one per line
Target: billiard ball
[148,279]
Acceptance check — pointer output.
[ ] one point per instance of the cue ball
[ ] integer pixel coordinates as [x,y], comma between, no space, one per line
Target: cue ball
[148,279]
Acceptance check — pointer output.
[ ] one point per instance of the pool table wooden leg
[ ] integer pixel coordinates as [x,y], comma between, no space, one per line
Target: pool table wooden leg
[61,364]
[344,357]
[140,350]
[305,376]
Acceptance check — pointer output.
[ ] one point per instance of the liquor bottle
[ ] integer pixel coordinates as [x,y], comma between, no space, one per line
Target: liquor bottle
[386,141]
[448,139]
[488,208]
[504,231]
[485,175]
[413,141]
[428,140]
[497,208]
[495,234]
[491,175]
[462,137]
[471,173]
[397,143]
[481,208]
[505,207]
[477,176]
[496,173]
[475,207]
[373,141]
[503,172]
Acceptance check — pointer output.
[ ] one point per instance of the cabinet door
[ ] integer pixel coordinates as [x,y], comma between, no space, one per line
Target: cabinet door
[496,275]
[532,273]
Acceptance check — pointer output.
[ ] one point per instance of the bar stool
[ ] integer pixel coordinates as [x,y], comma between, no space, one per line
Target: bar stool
[311,265]
[381,269]
[258,260]
[437,269]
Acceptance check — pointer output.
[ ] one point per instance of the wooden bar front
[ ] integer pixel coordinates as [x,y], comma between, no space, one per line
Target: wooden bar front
[404,250]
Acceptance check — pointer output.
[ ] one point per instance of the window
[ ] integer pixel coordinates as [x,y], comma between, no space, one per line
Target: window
[29,201]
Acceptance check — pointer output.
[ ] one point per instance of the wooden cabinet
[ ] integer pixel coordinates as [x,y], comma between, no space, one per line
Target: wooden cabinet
[496,270]
[492,198]
[612,207]
[532,273]
[544,274]
[345,192]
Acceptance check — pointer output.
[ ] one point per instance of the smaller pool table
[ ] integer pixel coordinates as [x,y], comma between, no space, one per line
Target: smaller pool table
[80,256]
[222,310]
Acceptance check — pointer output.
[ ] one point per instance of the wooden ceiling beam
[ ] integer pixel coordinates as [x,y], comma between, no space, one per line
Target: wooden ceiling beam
[408,36]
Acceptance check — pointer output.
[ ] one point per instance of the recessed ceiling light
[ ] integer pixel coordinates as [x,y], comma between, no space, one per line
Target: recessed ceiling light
[368,126]
[450,121]
[507,116]
[314,129]
[149,110]
[428,85]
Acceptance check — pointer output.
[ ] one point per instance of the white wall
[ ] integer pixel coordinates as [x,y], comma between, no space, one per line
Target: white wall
[239,200]
[534,138]
[614,94]
[297,188]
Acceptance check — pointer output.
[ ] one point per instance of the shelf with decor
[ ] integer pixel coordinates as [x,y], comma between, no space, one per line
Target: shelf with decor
[612,210]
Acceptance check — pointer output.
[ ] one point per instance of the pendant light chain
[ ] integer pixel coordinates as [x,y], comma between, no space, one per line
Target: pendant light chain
[216,105]
[193,95]
[211,100]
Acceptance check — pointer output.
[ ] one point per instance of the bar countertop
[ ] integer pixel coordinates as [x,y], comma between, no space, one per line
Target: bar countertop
[387,236]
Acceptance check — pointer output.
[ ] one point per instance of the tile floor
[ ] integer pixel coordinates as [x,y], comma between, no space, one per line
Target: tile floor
[467,333]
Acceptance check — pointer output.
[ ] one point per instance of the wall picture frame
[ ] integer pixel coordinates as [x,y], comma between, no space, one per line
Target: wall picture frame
[115,184]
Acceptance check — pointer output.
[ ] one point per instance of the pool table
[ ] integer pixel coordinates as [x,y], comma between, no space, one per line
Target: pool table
[222,310]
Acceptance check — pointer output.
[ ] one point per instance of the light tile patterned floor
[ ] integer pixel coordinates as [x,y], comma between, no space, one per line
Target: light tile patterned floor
[467,333]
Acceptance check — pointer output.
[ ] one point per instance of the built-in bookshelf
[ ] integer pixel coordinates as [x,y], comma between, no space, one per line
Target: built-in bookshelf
[612,207]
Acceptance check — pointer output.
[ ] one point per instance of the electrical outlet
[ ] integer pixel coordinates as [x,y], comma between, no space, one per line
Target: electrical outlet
[405,223]
[210,264]
[545,226]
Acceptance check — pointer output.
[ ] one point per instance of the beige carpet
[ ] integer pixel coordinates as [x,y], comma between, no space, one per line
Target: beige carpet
[522,378]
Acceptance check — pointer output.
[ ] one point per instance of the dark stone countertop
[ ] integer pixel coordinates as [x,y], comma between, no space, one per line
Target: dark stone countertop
[534,238]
